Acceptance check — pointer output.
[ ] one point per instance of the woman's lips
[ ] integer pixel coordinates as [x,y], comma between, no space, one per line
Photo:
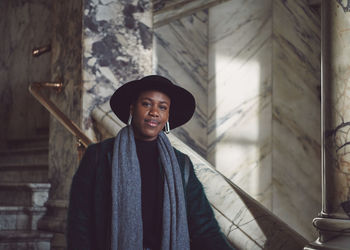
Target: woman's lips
[152,123]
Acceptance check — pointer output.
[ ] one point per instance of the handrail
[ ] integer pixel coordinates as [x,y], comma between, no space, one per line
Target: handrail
[35,90]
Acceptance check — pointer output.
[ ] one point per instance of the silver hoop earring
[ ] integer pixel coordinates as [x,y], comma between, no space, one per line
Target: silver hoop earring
[130,119]
[167,127]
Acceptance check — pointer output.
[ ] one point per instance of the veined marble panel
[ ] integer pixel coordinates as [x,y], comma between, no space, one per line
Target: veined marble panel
[181,55]
[252,77]
[159,5]
[239,95]
[24,25]
[117,48]
[106,130]
[168,11]
[65,67]
[296,115]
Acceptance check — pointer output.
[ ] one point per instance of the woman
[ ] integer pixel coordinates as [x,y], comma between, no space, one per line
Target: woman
[136,191]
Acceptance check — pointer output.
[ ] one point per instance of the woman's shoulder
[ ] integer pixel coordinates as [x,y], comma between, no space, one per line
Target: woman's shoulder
[183,160]
[179,155]
[102,146]
[97,157]
[98,152]
[178,152]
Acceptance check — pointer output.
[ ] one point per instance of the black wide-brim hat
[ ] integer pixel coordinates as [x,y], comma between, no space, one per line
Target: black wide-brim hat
[182,102]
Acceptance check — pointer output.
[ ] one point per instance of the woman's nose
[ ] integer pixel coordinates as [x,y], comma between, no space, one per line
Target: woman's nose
[154,111]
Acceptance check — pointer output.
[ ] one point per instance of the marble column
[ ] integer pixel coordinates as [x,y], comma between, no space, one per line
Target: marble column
[333,222]
[63,156]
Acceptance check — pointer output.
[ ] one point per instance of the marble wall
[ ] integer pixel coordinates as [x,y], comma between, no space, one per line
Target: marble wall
[181,54]
[240,83]
[117,48]
[159,5]
[66,67]
[24,25]
[264,133]
[258,93]
[296,176]
[63,156]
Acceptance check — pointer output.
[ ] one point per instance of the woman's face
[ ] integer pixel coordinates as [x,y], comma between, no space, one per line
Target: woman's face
[150,112]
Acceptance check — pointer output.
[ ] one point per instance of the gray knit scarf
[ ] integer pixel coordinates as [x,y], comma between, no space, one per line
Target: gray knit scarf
[126,196]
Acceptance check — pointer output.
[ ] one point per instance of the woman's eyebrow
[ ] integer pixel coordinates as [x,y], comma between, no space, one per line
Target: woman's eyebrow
[152,100]
[146,98]
[164,102]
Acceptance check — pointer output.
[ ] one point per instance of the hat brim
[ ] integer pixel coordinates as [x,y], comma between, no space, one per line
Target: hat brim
[182,104]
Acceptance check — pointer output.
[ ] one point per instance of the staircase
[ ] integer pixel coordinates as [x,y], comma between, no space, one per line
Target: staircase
[24,189]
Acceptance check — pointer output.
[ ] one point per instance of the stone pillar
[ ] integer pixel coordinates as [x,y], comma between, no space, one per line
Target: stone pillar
[333,222]
[63,156]
[96,46]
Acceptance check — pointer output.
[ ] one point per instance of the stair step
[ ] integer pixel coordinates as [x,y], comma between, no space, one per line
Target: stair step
[23,172]
[24,194]
[37,141]
[23,240]
[20,218]
[38,155]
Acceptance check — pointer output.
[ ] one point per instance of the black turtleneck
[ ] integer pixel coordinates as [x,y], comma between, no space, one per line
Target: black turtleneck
[147,152]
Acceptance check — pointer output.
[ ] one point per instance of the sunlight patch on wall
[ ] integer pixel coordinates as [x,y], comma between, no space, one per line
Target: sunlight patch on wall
[237,130]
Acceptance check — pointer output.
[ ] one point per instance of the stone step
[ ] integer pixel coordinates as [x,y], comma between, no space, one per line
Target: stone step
[34,142]
[24,240]
[20,218]
[24,194]
[24,172]
[33,156]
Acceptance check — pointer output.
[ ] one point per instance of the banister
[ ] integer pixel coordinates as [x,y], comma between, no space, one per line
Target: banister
[35,90]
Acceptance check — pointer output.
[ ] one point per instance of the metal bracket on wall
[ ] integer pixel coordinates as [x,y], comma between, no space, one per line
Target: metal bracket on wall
[41,50]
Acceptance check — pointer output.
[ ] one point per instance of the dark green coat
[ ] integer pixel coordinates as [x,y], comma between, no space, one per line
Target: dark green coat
[89,215]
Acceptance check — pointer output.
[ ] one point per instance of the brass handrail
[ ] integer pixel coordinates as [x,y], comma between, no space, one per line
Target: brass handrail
[35,90]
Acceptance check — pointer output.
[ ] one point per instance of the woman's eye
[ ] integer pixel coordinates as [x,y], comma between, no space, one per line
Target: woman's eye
[163,107]
[146,104]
